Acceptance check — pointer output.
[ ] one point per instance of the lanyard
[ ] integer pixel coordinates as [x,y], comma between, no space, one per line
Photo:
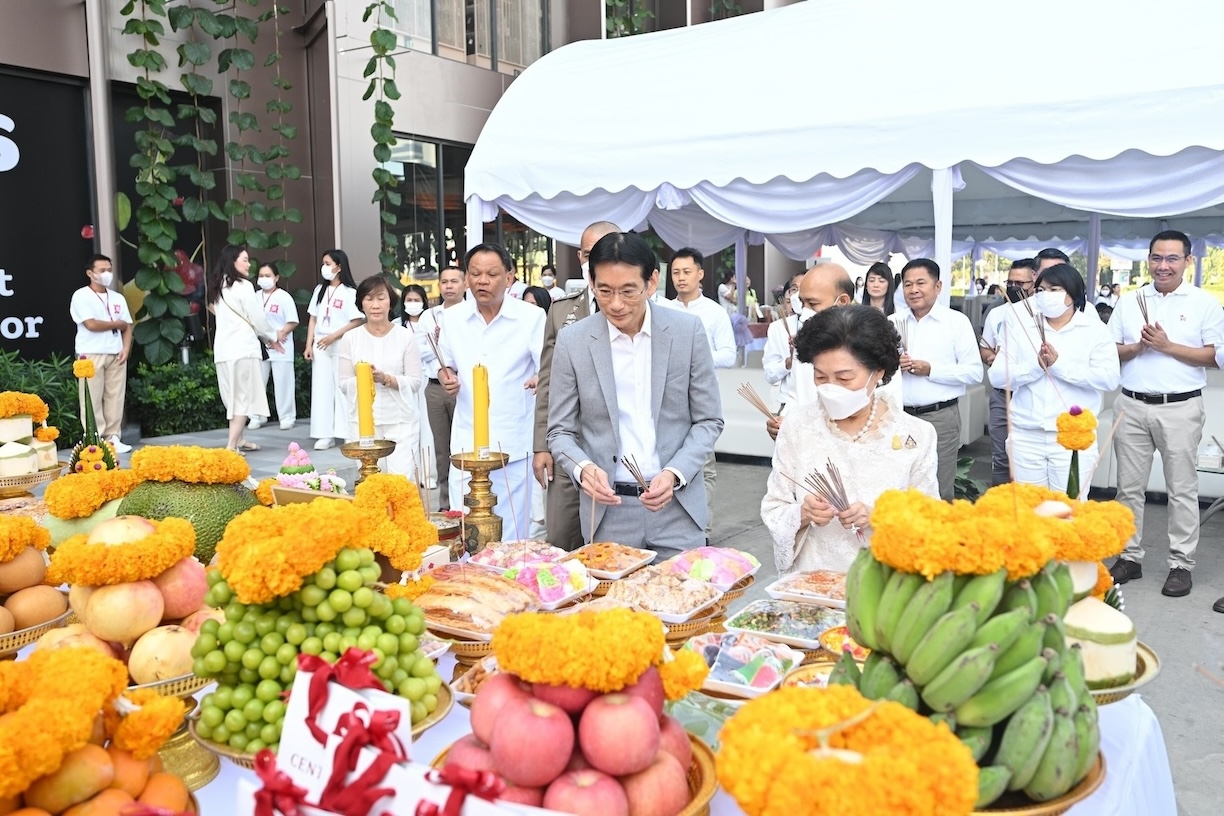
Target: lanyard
[105,301]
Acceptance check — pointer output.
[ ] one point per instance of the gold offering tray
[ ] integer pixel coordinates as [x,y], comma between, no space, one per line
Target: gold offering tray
[1018,805]
[1148,668]
[12,487]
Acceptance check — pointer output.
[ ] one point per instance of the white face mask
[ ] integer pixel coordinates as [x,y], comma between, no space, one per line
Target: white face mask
[327,272]
[1104,291]
[547,281]
[1051,304]
[105,278]
[267,284]
[840,402]
[413,308]
[796,303]
[805,314]
[586,270]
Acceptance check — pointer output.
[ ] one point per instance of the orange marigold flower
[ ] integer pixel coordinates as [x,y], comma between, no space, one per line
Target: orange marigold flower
[190,464]
[685,672]
[147,720]
[263,491]
[1076,429]
[19,532]
[46,433]
[80,494]
[404,530]
[18,403]
[1104,582]
[83,369]
[75,561]
[412,590]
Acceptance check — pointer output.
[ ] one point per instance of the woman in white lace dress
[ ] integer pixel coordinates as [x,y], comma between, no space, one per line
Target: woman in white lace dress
[872,442]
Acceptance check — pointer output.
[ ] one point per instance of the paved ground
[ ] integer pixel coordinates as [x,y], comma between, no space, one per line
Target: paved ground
[1188,695]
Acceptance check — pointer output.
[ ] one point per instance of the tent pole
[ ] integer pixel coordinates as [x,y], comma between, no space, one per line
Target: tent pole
[1093,251]
[741,272]
[475,226]
[941,194]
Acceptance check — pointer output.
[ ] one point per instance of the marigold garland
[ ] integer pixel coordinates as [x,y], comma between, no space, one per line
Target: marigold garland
[267,551]
[1096,530]
[77,495]
[145,730]
[405,532]
[185,463]
[263,491]
[78,562]
[412,590]
[83,369]
[603,651]
[685,672]
[46,433]
[1104,582]
[771,761]
[17,403]
[48,706]
[19,532]
[1076,429]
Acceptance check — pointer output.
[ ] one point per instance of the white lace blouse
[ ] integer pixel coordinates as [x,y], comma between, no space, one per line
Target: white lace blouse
[899,454]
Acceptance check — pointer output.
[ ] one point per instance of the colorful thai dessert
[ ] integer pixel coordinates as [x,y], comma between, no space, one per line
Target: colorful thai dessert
[551,581]
[721,566]
[506,554]
[743,659]
[298,472]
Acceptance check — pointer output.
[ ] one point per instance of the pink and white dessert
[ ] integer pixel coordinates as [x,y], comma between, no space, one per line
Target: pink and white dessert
[550,581]
[297,471]
[721,566]
[503,555]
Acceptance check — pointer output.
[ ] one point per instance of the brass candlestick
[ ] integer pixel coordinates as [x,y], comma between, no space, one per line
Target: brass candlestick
[368,455]
[482,525]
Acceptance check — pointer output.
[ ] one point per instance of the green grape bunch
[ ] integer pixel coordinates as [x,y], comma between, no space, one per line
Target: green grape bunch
[253,654]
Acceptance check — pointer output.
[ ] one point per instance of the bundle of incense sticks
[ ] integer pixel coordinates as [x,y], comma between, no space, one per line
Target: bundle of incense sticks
[433,345]
[1143,307]
[829,486]
[754,399]
[1036,320]
[631,465]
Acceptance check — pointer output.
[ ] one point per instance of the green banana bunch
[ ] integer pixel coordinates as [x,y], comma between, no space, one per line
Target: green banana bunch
[1061,693]
[984,590]
[1024,649]
[944,717]
[864,585]
[1053,665]
[905,693]
[947,638]
[1088,732]
[1055,633]
[1002,696]
[1050,599]
[928,605]
[992,783]
[961,679]
[1025,738]
[1055,773]
[845,672]
[1002,629]
[1062,574]
[1018,595]
[879,678]
[977,739]
[1073,668]
[897,593]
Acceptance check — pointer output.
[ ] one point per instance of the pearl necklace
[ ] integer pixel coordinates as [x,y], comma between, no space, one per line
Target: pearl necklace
[867,426]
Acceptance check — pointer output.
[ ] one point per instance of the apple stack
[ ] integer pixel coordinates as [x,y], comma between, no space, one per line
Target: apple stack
[577,751]
[149,621]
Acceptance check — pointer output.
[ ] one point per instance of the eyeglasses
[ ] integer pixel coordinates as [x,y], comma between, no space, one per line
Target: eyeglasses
[1156,260]
[627,295]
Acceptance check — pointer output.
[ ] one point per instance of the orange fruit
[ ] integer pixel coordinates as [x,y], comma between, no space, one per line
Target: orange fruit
[131,774]
[109,802]
[165,791]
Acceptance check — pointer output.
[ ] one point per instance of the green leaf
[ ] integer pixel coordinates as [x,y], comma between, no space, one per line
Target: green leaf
[158,352]
[233,208]
[195,210]
[259,212]
[282,83]
[271,59]
[288,131]
[287,268]
[275,192]
[388,218]
[175,284]
[197,85]
[209,23]
[134,27]
[179,307]
[248,28]
[394,199]
[239,89]
[243,59]
[278,106]
[368,92]
[172,330]
[390,89]
[181,17]
[236,237]
[128,8]
[148,279]
[123,210]
[370,68]
[154,303]
[214,209]
[148,255]
[382,153]
[293,172]
[383,112]
[257,239]
[293,215]
[390,60]
[284,240]
[228,27]
[383,40]
[208,116]
[146,331]
[274,172]
[382,133]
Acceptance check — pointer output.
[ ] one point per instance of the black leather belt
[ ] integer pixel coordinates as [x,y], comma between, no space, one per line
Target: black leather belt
[1162,399]
[435,381]
[919,410]
[628,489]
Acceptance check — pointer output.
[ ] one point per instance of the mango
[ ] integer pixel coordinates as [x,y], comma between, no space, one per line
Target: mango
[165,791]
[131,774]
[84,772]
[109,802]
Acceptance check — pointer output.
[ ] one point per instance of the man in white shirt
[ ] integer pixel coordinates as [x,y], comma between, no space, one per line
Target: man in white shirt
[505,335]
[687,273]
[1167,334]
[439,404]
[104,335]
[634,394]
[1020,279]
[548,279]
[778,356]
[940,360]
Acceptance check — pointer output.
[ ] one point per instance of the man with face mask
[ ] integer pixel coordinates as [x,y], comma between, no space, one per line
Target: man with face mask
[104,335]
[560,495]
[1019,286]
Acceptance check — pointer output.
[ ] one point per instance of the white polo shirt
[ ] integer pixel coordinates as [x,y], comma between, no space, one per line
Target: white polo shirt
[777,352]
[339,306]
[1189,316]
[717,325]
[88,304]
[945,339]
[280,309]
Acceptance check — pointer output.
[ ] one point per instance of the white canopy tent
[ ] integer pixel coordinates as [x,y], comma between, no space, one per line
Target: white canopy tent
[876,125]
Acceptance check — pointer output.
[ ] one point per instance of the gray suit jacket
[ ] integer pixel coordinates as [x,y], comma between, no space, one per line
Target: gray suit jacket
[684,394]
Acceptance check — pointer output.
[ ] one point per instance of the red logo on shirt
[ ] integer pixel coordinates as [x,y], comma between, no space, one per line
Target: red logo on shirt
[337,304]
[274,308]
[117,310]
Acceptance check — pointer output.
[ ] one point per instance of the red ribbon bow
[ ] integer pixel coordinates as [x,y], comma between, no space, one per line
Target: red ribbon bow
[357,797]
[352,671]
[463,781]
[279,794]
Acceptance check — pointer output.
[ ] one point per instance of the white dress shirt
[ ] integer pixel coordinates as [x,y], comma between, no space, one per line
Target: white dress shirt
[430,319]
[777,352]
[945,339]
[1189,316]
[89,304]
[509,345]
[280,309]
[339,307]
[717,325]
[1086,367]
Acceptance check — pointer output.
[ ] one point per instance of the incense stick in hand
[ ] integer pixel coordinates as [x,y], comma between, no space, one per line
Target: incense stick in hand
[754,399]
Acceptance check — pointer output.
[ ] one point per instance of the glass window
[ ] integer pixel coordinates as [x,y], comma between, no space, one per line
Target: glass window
[452,32]
[454,213]
[419,241]
[529,250]
[413,24]
[520,33]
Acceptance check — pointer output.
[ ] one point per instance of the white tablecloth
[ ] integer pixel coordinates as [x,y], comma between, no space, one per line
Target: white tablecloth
[1137,778]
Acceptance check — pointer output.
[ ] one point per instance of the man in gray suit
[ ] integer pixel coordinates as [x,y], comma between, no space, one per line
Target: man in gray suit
[560,495]
[635,384]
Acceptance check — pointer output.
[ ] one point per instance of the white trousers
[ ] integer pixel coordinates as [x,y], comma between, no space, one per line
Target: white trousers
[282,387]
[329,410]
[1038,459]
[513,487]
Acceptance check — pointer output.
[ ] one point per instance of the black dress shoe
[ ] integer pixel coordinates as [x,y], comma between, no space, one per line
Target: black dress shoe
[1178,583]
[1218,605]
[1124,570]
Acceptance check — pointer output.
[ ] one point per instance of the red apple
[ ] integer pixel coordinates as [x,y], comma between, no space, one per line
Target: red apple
[183,588]
[587,793]
[567,698]
[619,734]
[491,697]
[196,619]
[577,761]
[532,742]
[675,740]
[650,688]
[532,797]
[469,752]
[121,530]
[660,790]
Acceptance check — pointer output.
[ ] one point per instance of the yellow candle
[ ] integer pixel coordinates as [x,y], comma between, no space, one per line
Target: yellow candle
[365,400]
[480,406]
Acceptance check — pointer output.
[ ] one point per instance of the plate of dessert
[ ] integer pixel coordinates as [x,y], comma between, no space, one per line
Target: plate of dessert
[555,584]
[795,624]
[608,561]
[502,555]
[822,587]
[668,597]
[743,665]
[469,602]
[720,567]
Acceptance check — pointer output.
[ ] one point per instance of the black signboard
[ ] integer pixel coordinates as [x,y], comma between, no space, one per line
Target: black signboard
[45,206]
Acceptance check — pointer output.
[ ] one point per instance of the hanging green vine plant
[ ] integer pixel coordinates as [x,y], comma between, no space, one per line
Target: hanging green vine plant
[380,69]
[277,165]
[160,328]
